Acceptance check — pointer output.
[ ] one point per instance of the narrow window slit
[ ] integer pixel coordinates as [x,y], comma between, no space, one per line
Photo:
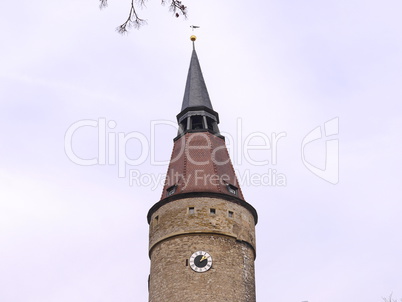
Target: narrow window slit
[171,190]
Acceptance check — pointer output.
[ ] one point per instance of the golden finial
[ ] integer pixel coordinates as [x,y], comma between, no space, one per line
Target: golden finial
[193,38]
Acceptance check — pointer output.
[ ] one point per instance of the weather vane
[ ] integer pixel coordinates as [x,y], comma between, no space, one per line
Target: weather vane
[194,26]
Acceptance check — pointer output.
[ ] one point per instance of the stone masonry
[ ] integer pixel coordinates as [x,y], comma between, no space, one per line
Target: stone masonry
[228,235]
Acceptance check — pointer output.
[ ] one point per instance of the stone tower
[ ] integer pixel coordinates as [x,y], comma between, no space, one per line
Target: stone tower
[202,231]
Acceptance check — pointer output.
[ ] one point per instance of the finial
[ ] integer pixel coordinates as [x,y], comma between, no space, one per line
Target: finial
[193,38]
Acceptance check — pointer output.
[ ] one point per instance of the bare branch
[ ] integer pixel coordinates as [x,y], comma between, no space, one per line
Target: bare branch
[177,7]
[142,2]
[133,20]
[102,4]
[390,299]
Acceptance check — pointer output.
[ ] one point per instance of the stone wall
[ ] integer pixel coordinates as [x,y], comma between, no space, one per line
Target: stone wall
[175,219]
[223,229]
[231,277]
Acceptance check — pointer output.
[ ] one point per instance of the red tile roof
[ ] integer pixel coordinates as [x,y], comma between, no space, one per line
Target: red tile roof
[200,162]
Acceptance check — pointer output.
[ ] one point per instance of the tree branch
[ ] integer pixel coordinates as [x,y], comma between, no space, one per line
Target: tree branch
[133,19]
[390,299]
[102,4]
[176,6]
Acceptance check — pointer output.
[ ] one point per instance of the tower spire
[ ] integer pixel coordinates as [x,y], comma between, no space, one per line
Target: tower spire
[196,110]
[196,93]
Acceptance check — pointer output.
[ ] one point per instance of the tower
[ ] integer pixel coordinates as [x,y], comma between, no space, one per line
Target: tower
[202,231]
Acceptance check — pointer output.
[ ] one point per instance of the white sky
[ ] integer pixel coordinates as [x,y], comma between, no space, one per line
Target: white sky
[79,233]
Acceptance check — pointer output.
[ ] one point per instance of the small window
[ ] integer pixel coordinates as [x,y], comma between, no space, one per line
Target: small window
[171,190]
[196,122]
[183,125]
[230,214]
[156,220]
[210,124]
[191,210]
[232,189]
[212,211]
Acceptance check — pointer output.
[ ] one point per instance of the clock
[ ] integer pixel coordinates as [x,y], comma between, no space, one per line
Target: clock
[200,261]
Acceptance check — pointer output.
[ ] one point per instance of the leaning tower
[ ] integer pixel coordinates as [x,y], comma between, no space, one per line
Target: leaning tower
[202,232]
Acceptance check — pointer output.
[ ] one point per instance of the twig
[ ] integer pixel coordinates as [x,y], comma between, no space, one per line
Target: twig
[132,21]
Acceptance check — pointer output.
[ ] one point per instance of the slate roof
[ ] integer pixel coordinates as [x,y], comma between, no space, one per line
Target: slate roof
[196,93]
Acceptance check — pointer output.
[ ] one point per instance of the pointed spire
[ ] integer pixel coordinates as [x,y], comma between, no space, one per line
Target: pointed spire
[196,113]
[196,93]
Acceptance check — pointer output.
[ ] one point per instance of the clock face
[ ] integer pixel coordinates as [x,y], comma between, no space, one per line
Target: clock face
[200,261]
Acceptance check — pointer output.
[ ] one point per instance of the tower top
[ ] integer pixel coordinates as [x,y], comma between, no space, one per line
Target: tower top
[200,165]
[196,93]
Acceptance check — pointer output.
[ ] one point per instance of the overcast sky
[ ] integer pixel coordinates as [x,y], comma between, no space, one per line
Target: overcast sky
[70,232]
